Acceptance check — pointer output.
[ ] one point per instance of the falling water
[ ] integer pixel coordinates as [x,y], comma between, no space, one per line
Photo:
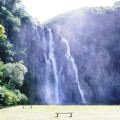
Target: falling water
[59,78]
[74,67]
[52,94]
[53,84]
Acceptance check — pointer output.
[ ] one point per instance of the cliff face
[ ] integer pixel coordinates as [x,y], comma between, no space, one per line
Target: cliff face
[49,57]
[93,36]
[74,58]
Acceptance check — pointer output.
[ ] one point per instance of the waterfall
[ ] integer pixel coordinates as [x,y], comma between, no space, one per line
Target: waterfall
[74,67]
[52,92]
[60,76]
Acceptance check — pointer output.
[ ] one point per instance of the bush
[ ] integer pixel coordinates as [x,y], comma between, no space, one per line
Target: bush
[23,98]
[9,97]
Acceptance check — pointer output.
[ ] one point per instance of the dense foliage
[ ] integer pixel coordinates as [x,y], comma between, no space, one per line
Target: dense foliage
[11,74]
[12,15]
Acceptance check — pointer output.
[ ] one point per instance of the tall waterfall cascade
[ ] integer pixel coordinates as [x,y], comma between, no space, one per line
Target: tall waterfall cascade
[51,93]
[71,59]
[55,84]
[74,67]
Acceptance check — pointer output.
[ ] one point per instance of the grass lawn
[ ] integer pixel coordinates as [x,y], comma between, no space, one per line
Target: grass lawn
[49,113]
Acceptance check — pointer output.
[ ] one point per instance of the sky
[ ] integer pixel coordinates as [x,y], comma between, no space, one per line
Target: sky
[44,10]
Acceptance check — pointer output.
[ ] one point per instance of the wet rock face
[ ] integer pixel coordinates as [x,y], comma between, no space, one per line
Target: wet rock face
[75,59]
[49,57]
[94,43]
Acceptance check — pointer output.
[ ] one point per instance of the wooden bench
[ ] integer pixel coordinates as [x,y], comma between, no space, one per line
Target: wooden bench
[69,113]
[24,106]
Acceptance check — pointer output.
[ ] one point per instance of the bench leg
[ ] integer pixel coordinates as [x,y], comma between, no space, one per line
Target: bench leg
[56,115]
[0,106]
[70,114]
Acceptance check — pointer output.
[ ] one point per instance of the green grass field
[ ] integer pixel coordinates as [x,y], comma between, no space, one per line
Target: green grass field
[49,113]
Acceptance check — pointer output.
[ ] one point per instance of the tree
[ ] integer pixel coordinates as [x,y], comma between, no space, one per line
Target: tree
[13,74]
[6,48]
[12,16]
[11,79]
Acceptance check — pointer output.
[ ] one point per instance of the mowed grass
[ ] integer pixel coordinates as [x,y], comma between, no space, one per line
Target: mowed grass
[49,113]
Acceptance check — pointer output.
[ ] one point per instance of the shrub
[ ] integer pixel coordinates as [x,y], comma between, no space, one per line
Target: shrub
[23,98]
[9,97]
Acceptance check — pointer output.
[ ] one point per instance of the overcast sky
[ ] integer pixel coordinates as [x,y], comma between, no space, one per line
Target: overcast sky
[47,9]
